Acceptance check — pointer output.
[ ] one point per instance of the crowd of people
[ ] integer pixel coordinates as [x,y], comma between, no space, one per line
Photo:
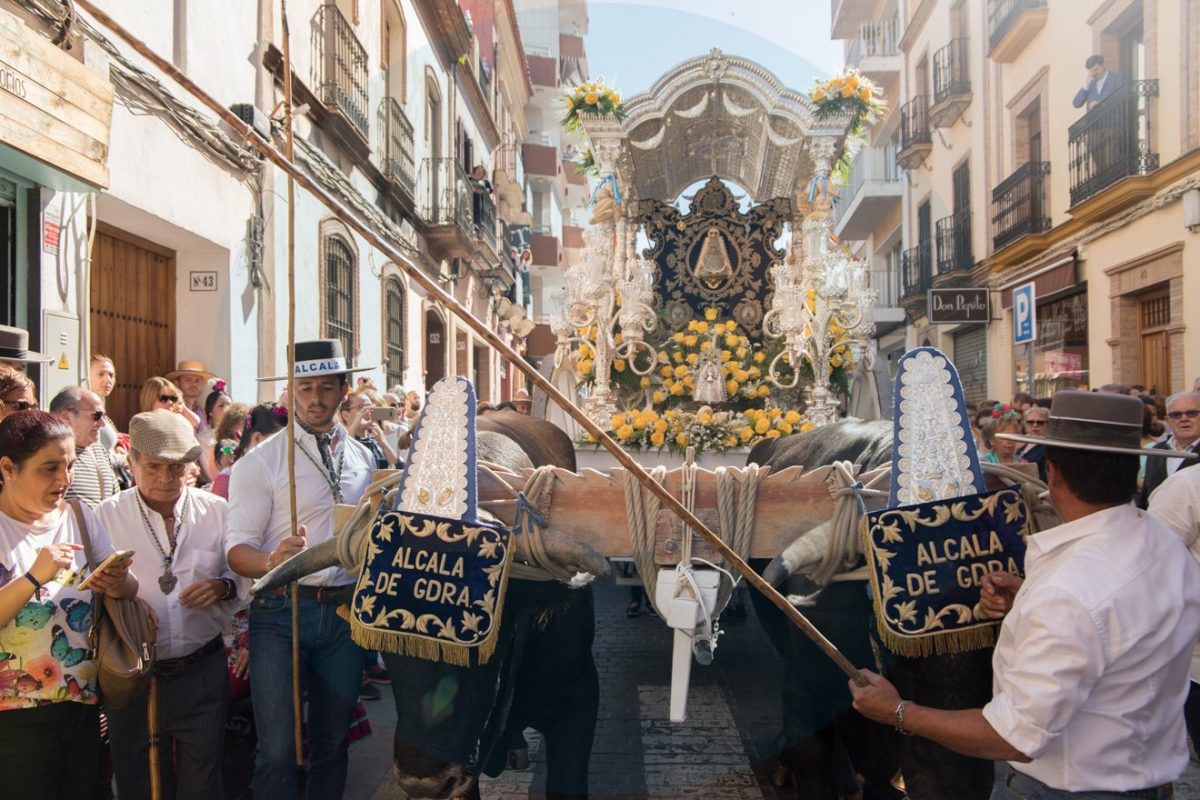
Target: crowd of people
[196,489]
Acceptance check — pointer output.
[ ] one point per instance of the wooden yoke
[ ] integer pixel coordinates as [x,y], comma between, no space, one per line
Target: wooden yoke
[590,506]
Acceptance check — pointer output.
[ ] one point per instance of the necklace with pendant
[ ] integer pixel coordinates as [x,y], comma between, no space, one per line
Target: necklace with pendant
[168,580]
[332,479]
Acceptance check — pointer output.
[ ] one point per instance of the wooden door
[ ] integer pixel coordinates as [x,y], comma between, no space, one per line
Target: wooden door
[132,313]
[435,348]
[1154,316]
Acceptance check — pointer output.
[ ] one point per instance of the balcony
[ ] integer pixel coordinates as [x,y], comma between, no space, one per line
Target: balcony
[872,192]
[399,165]
[572,237]
[459,219]
[545,250]
[953,236]
[340,63]
[1020,205]
[1012,24]
[915,138]
[875,52]
[951,83]
[1112,141]
[916,266]
[543,71]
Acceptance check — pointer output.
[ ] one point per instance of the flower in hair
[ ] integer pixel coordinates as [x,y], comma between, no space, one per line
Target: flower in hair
[280,411]
[219,386]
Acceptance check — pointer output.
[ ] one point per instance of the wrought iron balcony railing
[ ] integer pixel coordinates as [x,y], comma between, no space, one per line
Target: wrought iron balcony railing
[399,147]
[953,235]
[951,71]
[916,267]
[447,197]
[915,134]
[875,39]
[1002,14]
[1112,141]
[1020,204]
[341,64]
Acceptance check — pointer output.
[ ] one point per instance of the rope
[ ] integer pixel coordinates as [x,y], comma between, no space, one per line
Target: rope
[641,516]
[737,504]
[532,505]
[844,547]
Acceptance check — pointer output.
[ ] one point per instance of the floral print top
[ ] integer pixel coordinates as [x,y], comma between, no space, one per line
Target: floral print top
[44,650]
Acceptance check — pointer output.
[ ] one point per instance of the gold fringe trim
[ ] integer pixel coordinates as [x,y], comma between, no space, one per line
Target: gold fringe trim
[419,646]
[963,640]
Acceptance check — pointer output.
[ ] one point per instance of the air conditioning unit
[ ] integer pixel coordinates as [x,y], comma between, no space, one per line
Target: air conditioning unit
[253,116]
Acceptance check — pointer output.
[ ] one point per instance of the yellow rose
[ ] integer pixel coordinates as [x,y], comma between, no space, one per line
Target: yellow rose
[617,421]
[660,426]
[615,98]
[755,372]
[644,383]
[731,386]
[791,417]
[570,103]
[774,412]
[591,98]
[678,336]
[618,338]
[678,357]
[847,91]
[784,428]
[741,352]
[701,326]
[710,314]
[666,372]
[773,434]
[680,371]
[806,427]
[730,441]
[764,391]
[731,341]
[747,433]
[864,93]
[692,324]
[658,438]
[624,432]
[585,366]
[692,359]
[706,344]
[760,357]
[726,355]
[851,81]
[585,351]
[681,439]
[741,375]
[835,361]
[663,358]
[677,389]
[689,383]
[818,94]
[619,364]
[762,425]
[640,422]
[690,341]
[659,396]
[836,82]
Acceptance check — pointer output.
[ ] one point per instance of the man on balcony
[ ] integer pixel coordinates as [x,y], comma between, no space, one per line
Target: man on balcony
[1100,83]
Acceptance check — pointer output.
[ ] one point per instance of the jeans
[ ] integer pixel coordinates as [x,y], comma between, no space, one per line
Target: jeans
[192,707]
[1014,785]
[330,671]
[51,752]
[1191,713]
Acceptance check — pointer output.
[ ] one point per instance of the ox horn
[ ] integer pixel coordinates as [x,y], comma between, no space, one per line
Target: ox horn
[806,551]
[306,562]
[564,551]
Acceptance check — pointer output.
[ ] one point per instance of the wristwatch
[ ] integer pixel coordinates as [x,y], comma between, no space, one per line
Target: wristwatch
[230,588]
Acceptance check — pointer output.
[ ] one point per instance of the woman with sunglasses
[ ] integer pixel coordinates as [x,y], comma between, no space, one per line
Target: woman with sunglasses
[16,391]
[49,718]
[161,393]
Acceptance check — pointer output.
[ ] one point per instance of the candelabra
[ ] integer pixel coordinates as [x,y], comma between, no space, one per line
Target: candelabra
[821,301]
[611,292]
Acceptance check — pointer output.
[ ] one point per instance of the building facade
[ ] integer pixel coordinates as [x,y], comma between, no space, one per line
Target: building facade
[1007,183]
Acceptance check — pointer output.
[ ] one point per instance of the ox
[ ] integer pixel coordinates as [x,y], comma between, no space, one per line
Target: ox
[453,723]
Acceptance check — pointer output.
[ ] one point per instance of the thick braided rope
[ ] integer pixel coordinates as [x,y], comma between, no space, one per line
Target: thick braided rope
[539,493]
[844,547]
[641,517]
[737,504]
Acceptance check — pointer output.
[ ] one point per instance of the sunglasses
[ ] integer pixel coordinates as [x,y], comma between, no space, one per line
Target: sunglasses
[96,416]
[1029,422]
[168,398]
[1191,413]
[20,405]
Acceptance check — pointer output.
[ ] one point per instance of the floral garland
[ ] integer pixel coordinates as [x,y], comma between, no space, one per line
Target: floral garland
[851,92]
[743,364]
[590,97]
[704,430]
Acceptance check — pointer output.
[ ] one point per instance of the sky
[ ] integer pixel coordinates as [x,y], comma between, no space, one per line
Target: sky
[630,43]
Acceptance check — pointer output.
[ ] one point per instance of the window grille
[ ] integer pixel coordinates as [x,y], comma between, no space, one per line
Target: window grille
[339,294]
[395,332]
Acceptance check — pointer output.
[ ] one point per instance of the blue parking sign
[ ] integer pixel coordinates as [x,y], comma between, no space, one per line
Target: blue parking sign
[1024,314]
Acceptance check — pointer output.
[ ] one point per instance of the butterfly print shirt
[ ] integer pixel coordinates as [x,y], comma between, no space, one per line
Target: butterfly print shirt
[44,650]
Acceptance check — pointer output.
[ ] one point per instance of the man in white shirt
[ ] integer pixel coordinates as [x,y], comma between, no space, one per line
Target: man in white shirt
[331,467]
[179,535]
[1177,503]
[1091,665]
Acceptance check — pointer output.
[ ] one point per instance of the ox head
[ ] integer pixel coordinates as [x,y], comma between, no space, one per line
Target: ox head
[450,719]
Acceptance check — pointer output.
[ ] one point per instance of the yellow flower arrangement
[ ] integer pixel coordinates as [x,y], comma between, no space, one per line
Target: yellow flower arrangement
[590,97]
[852,93]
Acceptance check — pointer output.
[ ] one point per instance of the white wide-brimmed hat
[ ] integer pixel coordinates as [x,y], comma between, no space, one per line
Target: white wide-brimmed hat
[319,357]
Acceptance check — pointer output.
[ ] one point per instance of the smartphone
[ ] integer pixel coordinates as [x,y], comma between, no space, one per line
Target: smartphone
[382,413]
[115,558]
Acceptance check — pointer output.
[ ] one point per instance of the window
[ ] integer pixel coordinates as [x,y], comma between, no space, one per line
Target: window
[339,294]
[394,327]
[394,51]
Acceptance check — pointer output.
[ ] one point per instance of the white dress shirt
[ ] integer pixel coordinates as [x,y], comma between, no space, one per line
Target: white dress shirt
[1090,669]
[199,555]
[1176,502]
[259,506]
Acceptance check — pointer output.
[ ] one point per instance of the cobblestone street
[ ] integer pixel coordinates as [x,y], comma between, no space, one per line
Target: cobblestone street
[724,750]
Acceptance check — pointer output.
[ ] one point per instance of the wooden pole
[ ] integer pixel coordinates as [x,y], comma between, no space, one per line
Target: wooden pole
[418,276]
[297,695]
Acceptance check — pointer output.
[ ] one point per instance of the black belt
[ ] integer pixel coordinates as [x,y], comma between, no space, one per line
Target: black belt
[1020,782]
[177,666]
[322,594]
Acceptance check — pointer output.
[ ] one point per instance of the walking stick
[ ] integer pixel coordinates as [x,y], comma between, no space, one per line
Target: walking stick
[152,736]
[297,700]
[436,292]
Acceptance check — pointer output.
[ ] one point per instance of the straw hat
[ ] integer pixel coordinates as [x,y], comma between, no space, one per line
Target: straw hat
[14,346]
[164,436]
[319,357]
[1106,423]
[189,368]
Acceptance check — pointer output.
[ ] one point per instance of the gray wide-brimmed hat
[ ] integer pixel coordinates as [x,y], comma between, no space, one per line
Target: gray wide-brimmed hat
[14,346]
[1107,423]
[164,436]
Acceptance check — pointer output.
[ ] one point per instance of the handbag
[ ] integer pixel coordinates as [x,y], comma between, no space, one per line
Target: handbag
[124,637]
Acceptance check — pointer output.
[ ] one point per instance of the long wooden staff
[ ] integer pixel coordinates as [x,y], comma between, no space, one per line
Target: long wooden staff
[297,699]
[418,276]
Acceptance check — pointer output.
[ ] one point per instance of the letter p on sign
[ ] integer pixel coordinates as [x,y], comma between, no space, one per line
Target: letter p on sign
[1024,314]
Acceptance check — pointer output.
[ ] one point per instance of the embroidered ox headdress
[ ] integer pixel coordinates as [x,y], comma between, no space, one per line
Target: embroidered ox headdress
[433,580]
[941,533]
